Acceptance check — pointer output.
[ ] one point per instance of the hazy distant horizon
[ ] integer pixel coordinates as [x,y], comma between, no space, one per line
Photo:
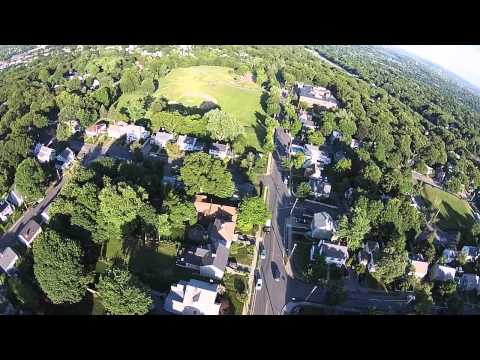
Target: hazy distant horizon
[462,60]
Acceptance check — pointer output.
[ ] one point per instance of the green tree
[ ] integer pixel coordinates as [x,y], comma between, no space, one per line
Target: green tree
[159,105]
[252,212]
[343,165]
[423,298]
[173,151]
[222,126]
[303,191]
[202,173]
[316,138]
[30,180]
[130,80]
[121,293]
[354,231]
[335,294]
[59,269]
[372,173]
[393,261]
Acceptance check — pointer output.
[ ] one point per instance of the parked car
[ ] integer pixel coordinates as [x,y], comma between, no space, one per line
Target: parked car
[268,226]
[263,252]
[259,284]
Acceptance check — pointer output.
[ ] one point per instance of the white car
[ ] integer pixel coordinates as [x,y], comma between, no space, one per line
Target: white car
[259,284]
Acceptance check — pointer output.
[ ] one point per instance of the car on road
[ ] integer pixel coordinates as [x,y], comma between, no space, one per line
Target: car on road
[263,252]
[259,284]
[275,271]
[268,226]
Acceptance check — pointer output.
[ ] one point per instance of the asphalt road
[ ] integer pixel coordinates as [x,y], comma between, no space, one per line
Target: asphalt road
[91,152]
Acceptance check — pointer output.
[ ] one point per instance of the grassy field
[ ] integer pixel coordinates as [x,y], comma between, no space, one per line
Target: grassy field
[454,212]
[193,85]
[242,253]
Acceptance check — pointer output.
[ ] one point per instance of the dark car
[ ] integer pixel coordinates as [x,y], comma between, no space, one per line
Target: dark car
[275,272]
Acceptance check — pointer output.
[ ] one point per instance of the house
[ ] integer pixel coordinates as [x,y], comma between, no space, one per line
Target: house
[333,254]
[322,226]
[192,298]
[469,282]
[320,188]
[449,255]
[355,144]
[5,210]
[43,153]
[162,138]
[440,175]
[306,120]
[316,156]
[471,253]
[15,199]
[136,133]
[117,129]
[368,255]
[442,273]
[8,258]
[188,143]
[219,150]
[212,261]
[29,232]
[420,269]
[315,95]
[96,129]
[65,159]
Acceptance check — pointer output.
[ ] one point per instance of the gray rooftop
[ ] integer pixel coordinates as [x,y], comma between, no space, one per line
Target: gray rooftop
[29,230]
[4,205]
[334,251]
[7,257]
[221,257]
[221,148]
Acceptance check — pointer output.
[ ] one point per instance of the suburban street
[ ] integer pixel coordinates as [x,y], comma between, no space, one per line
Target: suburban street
[86,152]
[273,296]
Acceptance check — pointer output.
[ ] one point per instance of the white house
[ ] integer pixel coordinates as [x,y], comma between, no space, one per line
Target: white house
[136,132]
[43,153]
[15,199]
[420,269]
[469,282]
[188,143]
[322,226]
[5,210]
[333,254]
[29,232]
[96,129]
[471,253]
[442,273]
[8,258]
[65,159]
[117,129]
[219,150]
[449,255]
[162,138]
[192,298]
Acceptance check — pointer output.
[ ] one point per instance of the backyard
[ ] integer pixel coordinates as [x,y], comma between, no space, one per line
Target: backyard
[236,290]
[243,253]
[194,85]
[455,214]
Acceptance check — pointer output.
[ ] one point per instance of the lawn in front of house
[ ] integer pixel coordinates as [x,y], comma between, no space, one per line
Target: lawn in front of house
[301,259]
[236,290]
[455,213]
[191,86]
[243,253]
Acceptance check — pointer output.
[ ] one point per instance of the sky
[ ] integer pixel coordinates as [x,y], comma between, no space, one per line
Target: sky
[463,60]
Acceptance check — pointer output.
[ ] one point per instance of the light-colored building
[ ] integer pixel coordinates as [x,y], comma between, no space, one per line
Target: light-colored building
[442,273]
[420,269]
[469,282]
[334,254]
[219,150]
[15,199]
[320,188]
[117,129]
[322,226]
[5,210]
[192,298]
[65,159]
[29,232]
[43,153]
[188,143]
[8,258]
[162,138]
[471,253]
[96,129]
[136,133]
[315,95]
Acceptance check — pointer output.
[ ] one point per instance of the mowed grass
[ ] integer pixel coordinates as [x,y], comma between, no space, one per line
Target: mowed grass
[192,86]
[455,214]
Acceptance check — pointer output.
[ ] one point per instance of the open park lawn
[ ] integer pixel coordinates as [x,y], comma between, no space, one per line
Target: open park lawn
[194,85]
[243,253]
[455,214]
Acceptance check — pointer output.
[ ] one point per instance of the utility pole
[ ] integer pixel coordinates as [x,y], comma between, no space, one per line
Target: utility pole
[289,256]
